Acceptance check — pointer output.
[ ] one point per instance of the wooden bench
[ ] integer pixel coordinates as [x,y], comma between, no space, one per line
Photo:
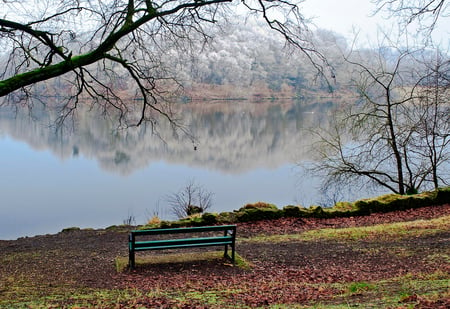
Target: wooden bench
[227,238]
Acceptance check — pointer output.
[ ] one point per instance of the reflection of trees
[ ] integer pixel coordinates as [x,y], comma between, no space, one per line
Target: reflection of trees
[231,136]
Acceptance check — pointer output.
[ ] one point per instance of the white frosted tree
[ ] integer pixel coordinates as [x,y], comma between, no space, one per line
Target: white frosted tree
[93,46]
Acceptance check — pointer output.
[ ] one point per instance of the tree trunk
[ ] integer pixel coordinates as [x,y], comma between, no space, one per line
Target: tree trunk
[393,142]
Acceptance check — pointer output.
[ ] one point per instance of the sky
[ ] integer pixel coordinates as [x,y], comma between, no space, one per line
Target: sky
[341,16]
[345,16]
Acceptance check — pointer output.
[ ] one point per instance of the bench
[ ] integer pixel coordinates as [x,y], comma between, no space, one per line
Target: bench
[227,238]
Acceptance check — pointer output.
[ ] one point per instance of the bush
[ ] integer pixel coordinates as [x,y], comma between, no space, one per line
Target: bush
[344,206]
[164,224]
[316,212]
[226,217]
[265,211]
[392,202]
[193,210]
[443,196]
[259,205]
[209,218]
[367,206]
[71,229]
[255,214]
[154,221]
[294,211]
[192,199]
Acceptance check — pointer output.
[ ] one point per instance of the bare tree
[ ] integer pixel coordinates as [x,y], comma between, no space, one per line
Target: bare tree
[190,200]
[105,50]
[390,138]
[425,13]
[430,111]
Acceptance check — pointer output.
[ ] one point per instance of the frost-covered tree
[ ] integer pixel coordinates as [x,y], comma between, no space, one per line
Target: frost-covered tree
[105,50]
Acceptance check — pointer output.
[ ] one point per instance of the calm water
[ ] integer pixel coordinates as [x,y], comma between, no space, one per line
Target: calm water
[90,175]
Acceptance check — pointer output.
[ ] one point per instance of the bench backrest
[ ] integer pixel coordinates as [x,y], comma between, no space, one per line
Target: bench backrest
[197,229]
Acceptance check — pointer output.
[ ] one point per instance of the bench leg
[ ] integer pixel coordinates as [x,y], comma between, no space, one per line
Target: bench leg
[227,256]
[232,253]
[131,259]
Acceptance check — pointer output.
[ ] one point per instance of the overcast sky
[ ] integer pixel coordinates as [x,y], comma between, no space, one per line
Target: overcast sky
[344,15]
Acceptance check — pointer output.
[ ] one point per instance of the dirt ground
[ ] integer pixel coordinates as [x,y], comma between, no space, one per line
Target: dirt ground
[281,272]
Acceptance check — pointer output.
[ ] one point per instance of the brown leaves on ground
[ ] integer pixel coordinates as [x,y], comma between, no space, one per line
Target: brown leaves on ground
[297,272]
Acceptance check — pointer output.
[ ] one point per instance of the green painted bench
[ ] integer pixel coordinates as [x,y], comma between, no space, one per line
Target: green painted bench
[141,240]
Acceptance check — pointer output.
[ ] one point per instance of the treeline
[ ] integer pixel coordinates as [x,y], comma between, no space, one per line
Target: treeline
[254,57]
[241,58]
[248,58]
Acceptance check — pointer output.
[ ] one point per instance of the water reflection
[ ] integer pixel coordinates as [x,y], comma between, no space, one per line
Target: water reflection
[229,137]
[89,174]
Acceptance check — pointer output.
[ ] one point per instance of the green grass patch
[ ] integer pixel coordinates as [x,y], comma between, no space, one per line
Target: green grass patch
[360,287]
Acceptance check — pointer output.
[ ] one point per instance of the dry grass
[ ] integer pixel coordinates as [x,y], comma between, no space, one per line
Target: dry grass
[381,231]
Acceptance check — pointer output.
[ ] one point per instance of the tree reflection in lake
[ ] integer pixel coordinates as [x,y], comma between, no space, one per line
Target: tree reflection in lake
[90,174]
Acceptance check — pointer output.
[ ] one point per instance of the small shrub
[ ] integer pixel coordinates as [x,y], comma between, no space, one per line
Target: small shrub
[344,206]
[337,213]
[177,224]
[71,229]
[227,217]
[368,206]
[193,210]
[426,199]
[255,214]
[155,220]
[209,218]
[316,212]
[190,200]
[442,196]
[259,205]
[195,220]
[165,224]
[294,211]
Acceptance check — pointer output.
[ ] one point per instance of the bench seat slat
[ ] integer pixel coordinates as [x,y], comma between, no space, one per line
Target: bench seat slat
[191,241]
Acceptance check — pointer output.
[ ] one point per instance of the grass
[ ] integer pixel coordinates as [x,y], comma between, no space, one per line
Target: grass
[399,292]
[383,232]
[70,297]
[356,288]
[216,297]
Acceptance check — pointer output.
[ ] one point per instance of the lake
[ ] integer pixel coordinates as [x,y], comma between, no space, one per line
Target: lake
[89,174]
